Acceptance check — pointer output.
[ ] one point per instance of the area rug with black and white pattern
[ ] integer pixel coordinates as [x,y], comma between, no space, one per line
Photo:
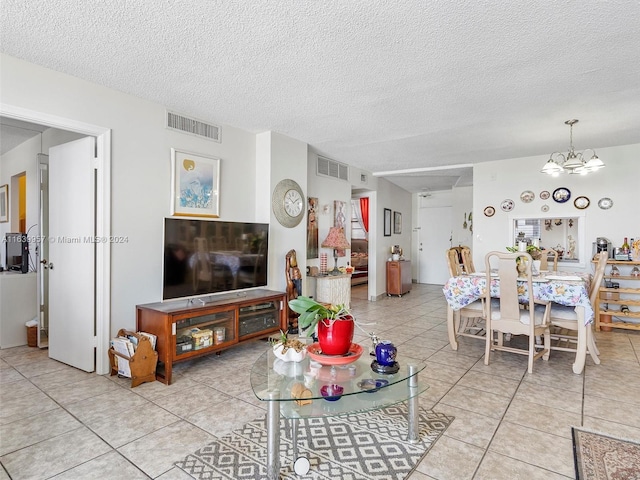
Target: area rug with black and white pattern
[362,446]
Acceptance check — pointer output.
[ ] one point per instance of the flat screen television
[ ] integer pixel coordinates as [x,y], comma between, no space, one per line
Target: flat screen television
[203,257]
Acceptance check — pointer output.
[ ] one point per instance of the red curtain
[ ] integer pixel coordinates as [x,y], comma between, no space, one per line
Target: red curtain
[364,209]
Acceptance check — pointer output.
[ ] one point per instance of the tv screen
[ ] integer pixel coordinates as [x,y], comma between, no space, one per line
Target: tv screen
[203,257]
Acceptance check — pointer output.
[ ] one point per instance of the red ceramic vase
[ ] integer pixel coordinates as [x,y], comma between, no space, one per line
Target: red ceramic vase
[335,336]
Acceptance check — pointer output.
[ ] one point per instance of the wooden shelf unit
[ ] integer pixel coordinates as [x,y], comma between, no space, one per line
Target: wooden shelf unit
[617,297]
[237,317]
[398,277]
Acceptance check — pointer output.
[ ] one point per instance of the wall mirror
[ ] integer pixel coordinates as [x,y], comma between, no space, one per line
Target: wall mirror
[565,234]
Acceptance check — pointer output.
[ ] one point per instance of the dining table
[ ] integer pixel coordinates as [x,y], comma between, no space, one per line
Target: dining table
[563,288]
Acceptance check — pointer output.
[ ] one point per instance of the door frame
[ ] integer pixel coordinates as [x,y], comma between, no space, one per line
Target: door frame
[102,220]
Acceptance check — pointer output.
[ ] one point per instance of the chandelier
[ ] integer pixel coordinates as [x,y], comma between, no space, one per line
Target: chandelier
[573,162]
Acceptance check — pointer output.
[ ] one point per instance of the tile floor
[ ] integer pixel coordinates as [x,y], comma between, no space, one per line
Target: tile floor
[58,422]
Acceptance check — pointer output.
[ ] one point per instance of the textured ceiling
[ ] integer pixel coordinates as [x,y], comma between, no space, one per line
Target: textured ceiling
[378,85]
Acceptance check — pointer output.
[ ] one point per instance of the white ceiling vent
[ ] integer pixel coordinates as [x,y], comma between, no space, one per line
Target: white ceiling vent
[331,168]
[193,126]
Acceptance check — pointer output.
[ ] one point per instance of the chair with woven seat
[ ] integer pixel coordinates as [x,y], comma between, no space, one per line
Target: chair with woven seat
[565,318]
[509,317]
[544,259]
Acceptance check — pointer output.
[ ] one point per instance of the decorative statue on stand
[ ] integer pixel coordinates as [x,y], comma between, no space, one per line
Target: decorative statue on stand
[294,287]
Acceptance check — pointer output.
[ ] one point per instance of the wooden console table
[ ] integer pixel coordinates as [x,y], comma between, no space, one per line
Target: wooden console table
[196,327]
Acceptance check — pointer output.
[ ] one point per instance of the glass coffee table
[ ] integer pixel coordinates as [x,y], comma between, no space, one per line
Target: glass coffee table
[295,391]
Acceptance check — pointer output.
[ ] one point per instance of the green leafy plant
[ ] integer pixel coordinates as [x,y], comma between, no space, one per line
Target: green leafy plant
[535,252]
[311,312]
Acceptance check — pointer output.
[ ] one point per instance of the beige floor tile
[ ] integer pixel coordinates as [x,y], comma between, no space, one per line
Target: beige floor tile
[534,447]
[612,410]
[156,453]
[223,421]
[490,383]
[54,455]
[61,377]
[9,375]
[541,417]
[477,401]
[129,425]
[185,403]
[25,407]
[108,404]
[550,396]
[40,367]
[17,390]
[34,429]
[611,428]
[446,373]
[175,474]
[451,459]
[469,427]
[82,390]
[111,465]
[499,467]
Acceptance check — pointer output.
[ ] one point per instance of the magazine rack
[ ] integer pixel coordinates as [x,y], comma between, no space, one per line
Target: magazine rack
[142,363]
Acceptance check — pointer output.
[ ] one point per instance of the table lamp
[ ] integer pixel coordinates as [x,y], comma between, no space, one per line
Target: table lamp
[336,240]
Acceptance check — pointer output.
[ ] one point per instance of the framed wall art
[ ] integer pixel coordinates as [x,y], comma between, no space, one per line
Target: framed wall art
[397,222]
[4,203]
[340,220]
[387,222]
[195,184]
[312,227]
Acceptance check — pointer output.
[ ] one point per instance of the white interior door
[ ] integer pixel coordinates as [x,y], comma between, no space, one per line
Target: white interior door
[435,238]
[72,253]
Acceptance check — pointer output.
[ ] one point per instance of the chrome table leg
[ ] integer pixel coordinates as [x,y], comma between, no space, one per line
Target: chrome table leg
[413,434]
[273,436]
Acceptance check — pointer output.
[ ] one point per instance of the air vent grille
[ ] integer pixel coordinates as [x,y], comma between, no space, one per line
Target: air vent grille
[193,126]
[331,168]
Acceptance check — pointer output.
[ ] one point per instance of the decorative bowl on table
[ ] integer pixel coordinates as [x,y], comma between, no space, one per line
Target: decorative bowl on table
[289,354]
[371,385]
[331,392]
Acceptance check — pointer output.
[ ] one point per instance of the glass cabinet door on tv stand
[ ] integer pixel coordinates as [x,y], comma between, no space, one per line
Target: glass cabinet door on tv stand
[194,333]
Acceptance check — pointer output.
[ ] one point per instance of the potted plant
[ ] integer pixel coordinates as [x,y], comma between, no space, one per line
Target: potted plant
[335,324]
[289,349]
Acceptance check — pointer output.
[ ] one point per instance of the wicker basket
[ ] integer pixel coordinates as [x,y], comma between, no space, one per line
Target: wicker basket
[32,336]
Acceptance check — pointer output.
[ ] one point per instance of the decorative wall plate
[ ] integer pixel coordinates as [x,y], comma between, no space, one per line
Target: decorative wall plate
[561,195]
[581,202]
[507,205]
[605,203]
[544,195]
[527,196]
[544,208]
[489,211]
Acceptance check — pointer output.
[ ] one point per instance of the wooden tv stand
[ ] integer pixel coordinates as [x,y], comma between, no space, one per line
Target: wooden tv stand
[231,319]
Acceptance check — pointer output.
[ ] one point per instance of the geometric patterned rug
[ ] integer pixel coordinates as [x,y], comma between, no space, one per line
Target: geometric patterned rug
[363,446]
[601,457]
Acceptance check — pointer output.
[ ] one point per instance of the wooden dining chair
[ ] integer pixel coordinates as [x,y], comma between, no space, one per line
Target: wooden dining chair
[564,320]
[467,260]
[544,259]
[453,261]
[469,321]
[509,318]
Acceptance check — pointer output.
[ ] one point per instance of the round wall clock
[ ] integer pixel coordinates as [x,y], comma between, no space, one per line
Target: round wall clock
[561,194]
[287,203]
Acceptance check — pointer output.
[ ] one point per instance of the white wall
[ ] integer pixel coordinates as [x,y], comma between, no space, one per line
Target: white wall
[141,173]
[507,179]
